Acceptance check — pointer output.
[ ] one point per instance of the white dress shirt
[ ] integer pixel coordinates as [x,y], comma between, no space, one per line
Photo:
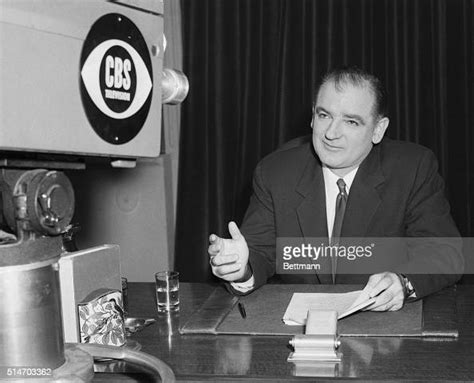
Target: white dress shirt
[332,190]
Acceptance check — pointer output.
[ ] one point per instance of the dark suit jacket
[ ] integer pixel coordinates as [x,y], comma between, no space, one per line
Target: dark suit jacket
[397,192]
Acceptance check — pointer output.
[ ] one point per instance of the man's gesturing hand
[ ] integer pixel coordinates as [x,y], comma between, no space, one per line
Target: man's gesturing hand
[229,257]
[387,290]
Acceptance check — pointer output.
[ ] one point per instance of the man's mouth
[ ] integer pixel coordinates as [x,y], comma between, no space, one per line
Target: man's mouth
[332,147]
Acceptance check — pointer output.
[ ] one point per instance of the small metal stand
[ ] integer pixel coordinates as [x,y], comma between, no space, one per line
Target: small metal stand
[320,341]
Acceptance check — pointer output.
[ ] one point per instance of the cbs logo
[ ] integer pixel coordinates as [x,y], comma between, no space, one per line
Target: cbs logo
[116,79]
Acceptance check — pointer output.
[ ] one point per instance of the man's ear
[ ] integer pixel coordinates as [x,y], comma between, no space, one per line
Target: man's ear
[380,129]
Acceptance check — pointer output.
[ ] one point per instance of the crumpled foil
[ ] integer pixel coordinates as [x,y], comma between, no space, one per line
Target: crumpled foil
[101,319]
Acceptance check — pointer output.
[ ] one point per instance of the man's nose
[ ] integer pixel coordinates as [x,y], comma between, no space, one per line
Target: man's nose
[333,130]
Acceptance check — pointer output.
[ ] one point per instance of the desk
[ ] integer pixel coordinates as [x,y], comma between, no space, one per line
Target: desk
[263,358]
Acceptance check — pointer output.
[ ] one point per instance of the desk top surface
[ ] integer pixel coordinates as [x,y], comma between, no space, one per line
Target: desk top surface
[231,357]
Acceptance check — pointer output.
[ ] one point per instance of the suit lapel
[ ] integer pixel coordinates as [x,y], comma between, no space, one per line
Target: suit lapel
[364,198]
[311,211]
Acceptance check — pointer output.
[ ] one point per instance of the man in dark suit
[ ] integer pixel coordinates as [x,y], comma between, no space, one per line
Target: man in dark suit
[350,182]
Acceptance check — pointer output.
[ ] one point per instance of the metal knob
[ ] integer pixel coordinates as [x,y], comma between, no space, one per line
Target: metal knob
[174,86]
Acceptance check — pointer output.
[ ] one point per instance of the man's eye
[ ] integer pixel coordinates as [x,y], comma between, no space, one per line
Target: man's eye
[352,122]
[322,115]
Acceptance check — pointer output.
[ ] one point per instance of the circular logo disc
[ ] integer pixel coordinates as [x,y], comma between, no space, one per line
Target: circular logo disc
[116,78]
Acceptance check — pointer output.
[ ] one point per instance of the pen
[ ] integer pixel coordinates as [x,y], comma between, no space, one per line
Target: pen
[243,314]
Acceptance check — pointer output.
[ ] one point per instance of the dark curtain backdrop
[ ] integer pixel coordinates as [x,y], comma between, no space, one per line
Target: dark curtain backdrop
[252,66]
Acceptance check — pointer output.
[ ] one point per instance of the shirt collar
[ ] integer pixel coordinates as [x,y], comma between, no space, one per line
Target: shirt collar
[331,178]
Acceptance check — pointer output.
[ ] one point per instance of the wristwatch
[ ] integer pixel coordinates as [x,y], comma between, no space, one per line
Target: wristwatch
[408,289]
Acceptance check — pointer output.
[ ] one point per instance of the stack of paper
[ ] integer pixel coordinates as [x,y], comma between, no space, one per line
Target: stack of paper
[345,304]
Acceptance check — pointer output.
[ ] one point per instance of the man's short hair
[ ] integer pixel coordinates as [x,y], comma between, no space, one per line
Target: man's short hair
[357,77]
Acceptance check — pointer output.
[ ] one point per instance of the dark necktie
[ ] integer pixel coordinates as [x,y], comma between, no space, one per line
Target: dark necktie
[341,202]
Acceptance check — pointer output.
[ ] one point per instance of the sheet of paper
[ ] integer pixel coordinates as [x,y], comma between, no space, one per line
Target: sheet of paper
[344,303]
[362,301]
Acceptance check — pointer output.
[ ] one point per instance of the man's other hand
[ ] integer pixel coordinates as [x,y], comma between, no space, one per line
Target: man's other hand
[387,290]
[229,256]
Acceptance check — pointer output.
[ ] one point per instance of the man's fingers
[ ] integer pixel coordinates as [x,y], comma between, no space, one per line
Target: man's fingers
[216,244]
[391,298]
[228,269]
[214,239]
[224,266]
[373,280]
[380,286]
[234,230]
[382,302]
[226,259]
[392,305]
[214,249]
[387,291]
[228,256]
